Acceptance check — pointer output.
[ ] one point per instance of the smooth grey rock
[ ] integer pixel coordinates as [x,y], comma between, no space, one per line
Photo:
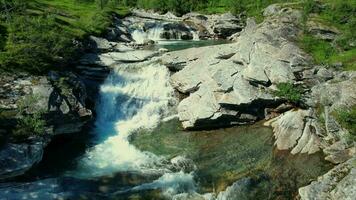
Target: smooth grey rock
[226,81]
[325,74]
[296,130]
[337,93]
[338,183]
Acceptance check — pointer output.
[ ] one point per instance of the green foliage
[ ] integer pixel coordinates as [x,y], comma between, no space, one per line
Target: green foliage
[36,36]
[34,44]
[347,119]
[30,125]
[289,92]
[334,13]
[320,49]
[31,122]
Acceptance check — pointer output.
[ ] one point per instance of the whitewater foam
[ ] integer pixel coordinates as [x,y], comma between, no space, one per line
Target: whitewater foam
[133,98]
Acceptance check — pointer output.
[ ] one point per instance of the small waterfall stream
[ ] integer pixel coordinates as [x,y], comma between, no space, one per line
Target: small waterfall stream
[159,32]
[134,97]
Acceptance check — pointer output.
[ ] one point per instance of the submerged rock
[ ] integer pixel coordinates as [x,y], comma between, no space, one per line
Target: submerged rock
[16,159]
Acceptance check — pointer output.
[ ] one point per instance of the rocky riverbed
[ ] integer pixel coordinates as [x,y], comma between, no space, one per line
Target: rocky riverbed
[228,85]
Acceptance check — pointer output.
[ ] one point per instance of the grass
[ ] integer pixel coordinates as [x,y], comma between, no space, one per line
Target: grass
[79,18]
[38,35]
[338,14]
[31,122]
[347,119]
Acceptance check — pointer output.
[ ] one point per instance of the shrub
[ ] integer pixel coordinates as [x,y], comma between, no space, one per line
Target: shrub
[347,119]
[289,92]
[30,125]
[31,120]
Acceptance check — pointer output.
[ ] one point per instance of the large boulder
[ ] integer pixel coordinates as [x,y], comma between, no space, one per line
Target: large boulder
[61,97]
[297,130]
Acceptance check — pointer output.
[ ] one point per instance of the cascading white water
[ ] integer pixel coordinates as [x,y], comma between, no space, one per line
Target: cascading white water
[141,36]
[155,34]
[134,97]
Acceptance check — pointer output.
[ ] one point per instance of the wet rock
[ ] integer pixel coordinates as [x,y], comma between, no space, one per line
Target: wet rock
[163,50]
[243,189]
[181,163]
[111,58]
[94,73]
[154,15]
[338,183]
[16,159]
[207,26]
[61,97]
[103,45]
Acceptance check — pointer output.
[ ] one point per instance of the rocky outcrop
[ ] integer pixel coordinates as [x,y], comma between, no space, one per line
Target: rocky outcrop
[338,183]
[112,58]
[297,130]
[329,98]
[16,159]
[208,26]
[322,31]
[62,100]
[231,84]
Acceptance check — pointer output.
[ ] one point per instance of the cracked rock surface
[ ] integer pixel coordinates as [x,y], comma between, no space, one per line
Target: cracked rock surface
[232,83]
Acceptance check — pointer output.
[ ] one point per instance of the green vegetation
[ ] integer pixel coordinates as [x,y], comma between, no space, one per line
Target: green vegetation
[336,14]
[251,8]
[39,35]
[31,120]
[347,119]
[289,92]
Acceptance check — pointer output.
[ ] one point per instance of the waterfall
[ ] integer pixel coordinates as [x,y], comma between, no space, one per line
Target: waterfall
[156,33]
[140,36]
[133,98]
